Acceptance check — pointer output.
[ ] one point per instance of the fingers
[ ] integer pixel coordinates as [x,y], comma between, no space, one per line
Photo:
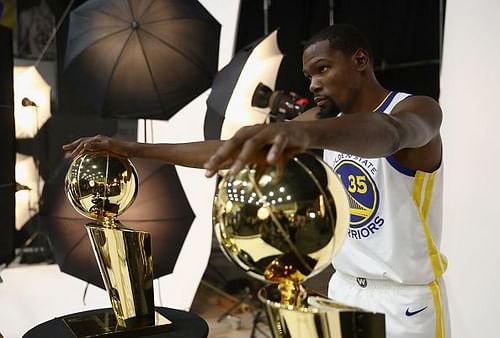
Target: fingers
[85,144]
[249,150]
[276,151]
[72,145]
[222,156]
[74,148]
[265,144]
[77,151]
[249,145]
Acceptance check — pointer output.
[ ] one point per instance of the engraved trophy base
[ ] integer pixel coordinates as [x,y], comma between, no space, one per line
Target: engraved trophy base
[104,324]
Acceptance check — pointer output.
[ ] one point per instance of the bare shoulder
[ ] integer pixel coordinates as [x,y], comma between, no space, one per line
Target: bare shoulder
[423,117]
[418,104]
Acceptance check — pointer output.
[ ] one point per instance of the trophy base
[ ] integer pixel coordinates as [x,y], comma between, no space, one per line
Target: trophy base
[319,317]
[104,323]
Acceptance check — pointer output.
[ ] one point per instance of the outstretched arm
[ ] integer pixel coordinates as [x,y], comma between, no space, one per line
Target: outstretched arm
[193,154]
[410,131]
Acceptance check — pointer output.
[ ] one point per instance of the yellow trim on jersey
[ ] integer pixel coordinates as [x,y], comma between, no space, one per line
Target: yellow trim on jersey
[423,185]
[438,309]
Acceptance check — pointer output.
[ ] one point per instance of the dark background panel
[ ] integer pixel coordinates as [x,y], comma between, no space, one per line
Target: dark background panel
[405,36]
[6,68]
[8,151]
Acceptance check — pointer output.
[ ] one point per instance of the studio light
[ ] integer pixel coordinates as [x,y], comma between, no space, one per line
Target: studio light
[25,102]
[21,187]
[28,186]
[31,101]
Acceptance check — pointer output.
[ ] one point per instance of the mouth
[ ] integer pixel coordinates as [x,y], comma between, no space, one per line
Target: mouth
[321,101]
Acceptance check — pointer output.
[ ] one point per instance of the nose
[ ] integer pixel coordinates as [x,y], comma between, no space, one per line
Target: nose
[314,86]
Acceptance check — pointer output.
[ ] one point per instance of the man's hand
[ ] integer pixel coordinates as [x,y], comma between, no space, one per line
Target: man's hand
[98,144]
[276,140]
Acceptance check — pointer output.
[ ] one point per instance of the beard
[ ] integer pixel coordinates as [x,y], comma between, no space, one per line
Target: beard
[332,110]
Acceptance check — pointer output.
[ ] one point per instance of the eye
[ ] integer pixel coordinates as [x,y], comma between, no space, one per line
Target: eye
[322,69]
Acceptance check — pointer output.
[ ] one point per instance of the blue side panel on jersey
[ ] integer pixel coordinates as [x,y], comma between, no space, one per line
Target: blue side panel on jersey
[399,167]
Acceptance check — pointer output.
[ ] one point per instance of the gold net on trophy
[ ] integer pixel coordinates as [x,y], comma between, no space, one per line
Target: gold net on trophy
[282,225]
[101,187]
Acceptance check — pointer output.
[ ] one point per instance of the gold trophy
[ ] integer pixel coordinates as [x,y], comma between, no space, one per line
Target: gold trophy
[101,187]
[283,224]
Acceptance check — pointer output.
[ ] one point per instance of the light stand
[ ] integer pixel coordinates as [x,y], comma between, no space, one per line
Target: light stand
[266,4]
[330,11]
[26,102]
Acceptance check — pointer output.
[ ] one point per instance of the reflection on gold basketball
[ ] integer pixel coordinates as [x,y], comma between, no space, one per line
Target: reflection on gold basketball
[101,186]
[282,226]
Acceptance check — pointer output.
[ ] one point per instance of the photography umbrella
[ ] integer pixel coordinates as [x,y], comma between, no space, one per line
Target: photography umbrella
[160,208]
[229,105]
[141,58]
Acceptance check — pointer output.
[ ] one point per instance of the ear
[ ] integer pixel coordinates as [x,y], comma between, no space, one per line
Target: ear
[361,58]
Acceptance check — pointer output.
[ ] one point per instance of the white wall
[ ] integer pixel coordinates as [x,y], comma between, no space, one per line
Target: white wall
[470,87]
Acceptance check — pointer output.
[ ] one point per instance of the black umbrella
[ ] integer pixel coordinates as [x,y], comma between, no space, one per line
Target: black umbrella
[141,58]
[229,105]
[160,208]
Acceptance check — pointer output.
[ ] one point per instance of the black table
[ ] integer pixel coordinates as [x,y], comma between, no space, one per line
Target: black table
[184,324]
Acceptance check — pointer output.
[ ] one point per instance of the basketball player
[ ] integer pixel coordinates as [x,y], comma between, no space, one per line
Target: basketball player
[386,148]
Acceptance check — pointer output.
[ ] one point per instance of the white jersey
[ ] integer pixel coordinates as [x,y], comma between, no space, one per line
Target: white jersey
[396,216]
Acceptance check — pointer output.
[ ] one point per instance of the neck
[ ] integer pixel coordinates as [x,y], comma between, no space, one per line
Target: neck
[368,97]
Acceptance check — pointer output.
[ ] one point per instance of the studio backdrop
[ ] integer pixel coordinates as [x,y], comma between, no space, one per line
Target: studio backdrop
[8,152]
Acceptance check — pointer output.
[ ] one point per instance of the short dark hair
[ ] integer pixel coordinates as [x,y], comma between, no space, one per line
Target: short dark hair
[343,37]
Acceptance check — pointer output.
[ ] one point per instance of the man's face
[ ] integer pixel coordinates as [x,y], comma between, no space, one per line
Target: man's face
[333,76]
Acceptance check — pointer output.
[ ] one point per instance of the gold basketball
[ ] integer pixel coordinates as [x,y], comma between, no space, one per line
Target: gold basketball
[284,223]
[100,186]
